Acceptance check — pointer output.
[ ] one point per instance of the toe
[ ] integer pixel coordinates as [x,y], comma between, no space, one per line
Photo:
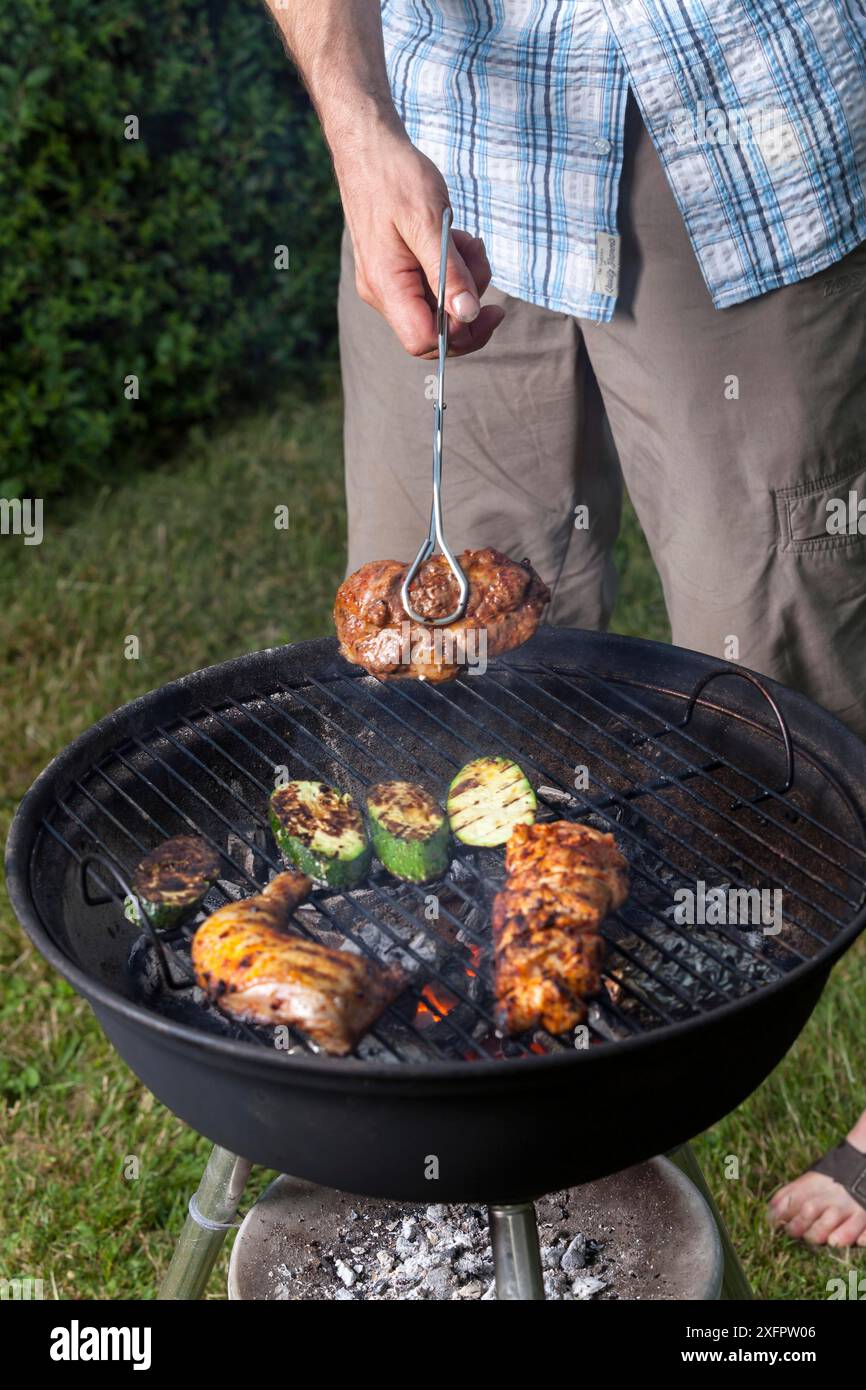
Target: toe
[806,1215]
[785,1203]
[850,1230]
[829,1219]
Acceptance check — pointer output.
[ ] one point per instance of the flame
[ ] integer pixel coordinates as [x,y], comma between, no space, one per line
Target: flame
[475,953]
[433,1005]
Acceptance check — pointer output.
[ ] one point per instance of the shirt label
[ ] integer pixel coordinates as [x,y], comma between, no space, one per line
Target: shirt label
[607,263]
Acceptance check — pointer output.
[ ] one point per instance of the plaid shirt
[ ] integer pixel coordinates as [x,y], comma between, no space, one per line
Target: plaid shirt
[757,109]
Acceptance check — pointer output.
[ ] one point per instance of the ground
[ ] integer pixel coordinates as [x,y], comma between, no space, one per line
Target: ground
[188,560]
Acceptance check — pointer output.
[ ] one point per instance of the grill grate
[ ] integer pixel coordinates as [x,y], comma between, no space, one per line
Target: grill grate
[681,810]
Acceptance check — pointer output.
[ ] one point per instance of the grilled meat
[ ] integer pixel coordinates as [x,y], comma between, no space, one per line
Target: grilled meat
[506,601]
[562,880]
[253,968]
[564,855]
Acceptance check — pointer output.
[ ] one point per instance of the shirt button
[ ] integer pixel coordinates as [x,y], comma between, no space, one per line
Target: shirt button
[601,146]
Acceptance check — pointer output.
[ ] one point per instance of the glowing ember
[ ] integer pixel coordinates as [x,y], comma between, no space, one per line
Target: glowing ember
[434,1005]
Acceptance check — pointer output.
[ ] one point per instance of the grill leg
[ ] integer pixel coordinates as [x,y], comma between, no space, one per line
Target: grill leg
[516,1256]
[211,1217]
[735,1285]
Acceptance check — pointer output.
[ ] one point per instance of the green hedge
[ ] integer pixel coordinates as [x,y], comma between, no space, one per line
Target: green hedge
[151,257]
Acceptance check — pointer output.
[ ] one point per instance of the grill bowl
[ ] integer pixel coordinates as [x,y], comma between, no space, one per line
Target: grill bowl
[458,1123]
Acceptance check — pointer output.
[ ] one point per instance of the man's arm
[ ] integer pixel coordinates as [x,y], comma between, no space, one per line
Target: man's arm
[393,195]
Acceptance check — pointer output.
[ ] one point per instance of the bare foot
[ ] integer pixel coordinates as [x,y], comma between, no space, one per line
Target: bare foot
[819,1210]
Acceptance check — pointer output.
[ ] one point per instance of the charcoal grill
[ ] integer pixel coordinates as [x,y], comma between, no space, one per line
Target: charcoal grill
[703,772]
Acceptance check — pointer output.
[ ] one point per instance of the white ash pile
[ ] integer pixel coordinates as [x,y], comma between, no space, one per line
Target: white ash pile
[383,1252]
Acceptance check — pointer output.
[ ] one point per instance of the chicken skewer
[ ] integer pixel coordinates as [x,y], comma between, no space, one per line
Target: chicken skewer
[252,967]
[562,880]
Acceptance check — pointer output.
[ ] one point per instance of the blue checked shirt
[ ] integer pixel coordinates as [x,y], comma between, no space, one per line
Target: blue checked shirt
[757,109]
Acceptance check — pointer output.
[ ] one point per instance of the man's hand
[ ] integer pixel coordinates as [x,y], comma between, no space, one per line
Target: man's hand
[393,198]
[393,195]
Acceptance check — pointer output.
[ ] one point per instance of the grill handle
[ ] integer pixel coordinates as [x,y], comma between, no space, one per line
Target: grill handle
[91,901]
[780,718]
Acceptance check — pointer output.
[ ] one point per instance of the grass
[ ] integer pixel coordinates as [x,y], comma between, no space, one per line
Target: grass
[187,559]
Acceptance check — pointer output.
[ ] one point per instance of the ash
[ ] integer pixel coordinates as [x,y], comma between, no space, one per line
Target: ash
[379,1252]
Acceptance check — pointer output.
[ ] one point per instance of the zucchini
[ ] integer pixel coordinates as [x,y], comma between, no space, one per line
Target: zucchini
[321,831]
[409,830]
[487,798]
[171,881]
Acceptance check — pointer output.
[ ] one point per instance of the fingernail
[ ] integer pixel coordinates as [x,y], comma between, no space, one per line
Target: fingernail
[466,307]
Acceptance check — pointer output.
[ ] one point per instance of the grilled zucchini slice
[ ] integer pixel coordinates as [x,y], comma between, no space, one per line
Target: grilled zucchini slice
[171,881]
[409,830]
[487,798]
[321,831]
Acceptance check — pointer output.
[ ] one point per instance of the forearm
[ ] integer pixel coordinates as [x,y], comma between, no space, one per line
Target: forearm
[338,48]
[393,194]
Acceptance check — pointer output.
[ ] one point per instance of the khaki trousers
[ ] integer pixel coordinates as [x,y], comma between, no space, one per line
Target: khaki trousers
[739,432]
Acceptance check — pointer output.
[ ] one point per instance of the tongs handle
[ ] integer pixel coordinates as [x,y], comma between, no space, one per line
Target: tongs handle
[436,533]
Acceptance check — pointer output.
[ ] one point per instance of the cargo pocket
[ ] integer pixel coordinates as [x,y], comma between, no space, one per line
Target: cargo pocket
[824,514]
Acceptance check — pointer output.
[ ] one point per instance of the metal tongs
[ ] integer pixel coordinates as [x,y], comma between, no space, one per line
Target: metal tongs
[436,532]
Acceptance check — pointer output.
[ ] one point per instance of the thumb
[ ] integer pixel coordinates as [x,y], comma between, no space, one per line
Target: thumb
[462,300]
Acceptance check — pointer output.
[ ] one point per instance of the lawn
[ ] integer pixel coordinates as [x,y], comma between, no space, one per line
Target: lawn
[188,560]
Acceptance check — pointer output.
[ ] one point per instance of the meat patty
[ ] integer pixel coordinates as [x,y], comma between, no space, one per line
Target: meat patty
[505,604]
[562,880]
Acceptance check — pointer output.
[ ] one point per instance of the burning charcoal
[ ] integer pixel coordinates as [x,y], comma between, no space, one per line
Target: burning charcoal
[558,797]
[435,1213]
[385,1260]
[574,1257]
[472,1290]
[232,891]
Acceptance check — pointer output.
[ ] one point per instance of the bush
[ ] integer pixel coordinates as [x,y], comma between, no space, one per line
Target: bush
[151,257]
